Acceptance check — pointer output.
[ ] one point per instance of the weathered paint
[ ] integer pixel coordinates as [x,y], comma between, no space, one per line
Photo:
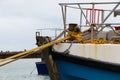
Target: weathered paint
[102,52]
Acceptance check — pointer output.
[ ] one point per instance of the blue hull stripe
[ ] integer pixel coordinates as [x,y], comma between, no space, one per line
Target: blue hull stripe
[69,69]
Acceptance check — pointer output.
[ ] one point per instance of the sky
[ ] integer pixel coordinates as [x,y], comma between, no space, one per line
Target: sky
[20,19]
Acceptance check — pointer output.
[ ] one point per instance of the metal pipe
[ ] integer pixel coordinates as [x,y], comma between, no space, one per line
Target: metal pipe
[65,20]
[99,26]
[102,16]
[93,5]
[64,17]
[84,14]
[80,19]
[88,3]
[83,8]
[93,18]
[111,12]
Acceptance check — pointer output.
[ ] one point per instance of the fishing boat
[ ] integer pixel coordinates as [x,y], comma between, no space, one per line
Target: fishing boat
[85,50]
[94,52]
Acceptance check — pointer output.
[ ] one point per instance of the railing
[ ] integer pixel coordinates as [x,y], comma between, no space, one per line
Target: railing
[51,32]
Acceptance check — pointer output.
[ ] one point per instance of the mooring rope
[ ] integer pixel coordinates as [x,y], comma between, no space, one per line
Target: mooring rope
[26,53]
[12,60]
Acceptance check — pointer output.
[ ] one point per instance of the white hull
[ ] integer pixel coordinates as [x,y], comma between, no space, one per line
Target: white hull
[103,52]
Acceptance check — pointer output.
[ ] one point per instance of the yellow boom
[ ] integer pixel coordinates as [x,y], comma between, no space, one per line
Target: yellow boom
[72,35]
[33,50]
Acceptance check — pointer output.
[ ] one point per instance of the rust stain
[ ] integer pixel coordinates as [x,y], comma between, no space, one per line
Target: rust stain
[83,50]
[95,51]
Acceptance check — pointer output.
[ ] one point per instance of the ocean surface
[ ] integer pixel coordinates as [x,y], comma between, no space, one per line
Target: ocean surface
[23,69]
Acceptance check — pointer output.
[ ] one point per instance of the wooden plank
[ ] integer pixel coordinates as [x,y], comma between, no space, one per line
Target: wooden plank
[51,65]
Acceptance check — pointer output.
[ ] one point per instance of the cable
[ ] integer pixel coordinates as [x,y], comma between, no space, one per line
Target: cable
[32,70]
[67,50]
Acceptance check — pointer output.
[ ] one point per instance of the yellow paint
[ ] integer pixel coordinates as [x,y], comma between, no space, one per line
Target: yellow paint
[97,41]
[34,49]
[73,35]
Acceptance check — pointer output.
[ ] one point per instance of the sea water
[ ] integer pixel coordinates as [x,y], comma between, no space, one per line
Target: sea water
[23,69]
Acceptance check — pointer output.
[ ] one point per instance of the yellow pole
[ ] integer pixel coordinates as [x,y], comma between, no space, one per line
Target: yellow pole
[35,49]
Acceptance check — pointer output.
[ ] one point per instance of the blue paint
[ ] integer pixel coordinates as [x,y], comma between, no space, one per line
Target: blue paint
[41,68]
[71,71]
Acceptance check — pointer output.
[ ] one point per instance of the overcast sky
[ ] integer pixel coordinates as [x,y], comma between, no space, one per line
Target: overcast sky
[19,20]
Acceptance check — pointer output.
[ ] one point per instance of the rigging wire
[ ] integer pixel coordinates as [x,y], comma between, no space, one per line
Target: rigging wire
[33,70]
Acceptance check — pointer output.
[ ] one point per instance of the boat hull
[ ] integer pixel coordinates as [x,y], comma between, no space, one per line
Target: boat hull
[102,52]
[41,68]
[78,68]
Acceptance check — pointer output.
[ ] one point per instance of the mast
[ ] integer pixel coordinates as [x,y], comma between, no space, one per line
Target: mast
[64,17]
